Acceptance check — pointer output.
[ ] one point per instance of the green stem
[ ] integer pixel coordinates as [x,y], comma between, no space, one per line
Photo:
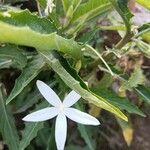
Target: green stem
[124,40]
[102,59]
[128,34]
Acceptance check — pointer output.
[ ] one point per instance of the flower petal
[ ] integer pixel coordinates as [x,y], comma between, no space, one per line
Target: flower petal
[48,94]
[61,131]
[81,117]
[42,115]
[71,99]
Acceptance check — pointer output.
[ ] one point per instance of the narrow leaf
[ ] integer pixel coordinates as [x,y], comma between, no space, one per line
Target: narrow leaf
[75,82]
[144,93]
[31,129]
[7,125]
[29,73]
[121,102]
[85,133]
[90,9]
[143,47]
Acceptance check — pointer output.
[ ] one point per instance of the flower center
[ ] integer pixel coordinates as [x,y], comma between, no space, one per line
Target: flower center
[62,108]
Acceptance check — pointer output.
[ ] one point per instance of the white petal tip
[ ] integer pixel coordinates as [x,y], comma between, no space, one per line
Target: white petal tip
[94,122]
[27,119]
[38,82]
[97,123]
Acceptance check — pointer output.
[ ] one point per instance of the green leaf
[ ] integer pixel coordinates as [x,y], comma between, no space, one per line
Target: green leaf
[144,32]
[85,133]
[31,99]
[51,141]
[91,9]
[25,18]
[5,63]
[14,54]
[145,28]
[28,74]
[66,4]
[42,3]
[136,78]
[144,93]
[70,77]
[145,3]
[75,147]
[7,125]
[127,131]
[143,47]
[120,102]
[17,26]
[29,133]
[121,7]
[31,129]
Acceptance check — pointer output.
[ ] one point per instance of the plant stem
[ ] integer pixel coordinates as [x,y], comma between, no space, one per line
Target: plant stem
[102,59]
[128,34]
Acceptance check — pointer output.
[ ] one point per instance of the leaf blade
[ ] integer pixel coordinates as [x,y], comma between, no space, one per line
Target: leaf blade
[78,86]
[29,73]
[7,125]
[40,37]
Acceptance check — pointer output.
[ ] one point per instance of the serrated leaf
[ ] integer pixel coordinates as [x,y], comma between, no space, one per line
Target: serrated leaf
[70,77]
[136,78]
[31,129]
[120,102]
[17,26]
[28,74]
[14,54]
[7,125]
[25,18]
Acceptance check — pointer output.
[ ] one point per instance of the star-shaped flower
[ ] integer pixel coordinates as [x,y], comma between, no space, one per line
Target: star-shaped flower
[61,110]
[49,6]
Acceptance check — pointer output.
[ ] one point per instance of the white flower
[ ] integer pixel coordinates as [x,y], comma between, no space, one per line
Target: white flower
[49,6]
[61,110]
